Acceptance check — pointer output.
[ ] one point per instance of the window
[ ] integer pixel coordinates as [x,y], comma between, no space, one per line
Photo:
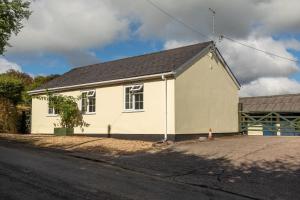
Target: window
[134,97]
[51,110]
[88,102]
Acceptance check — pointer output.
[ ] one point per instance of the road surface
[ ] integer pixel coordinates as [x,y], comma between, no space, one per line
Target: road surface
[28,173]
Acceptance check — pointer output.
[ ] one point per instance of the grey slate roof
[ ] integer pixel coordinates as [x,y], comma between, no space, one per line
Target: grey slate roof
[278,103]
[148,64]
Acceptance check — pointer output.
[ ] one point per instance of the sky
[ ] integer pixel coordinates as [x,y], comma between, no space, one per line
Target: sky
[63,34]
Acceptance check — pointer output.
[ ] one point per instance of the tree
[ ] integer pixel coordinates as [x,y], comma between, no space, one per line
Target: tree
[12,12]
[29,83]
[40,80]
[15,101]
[10,95]
[25,78]
[11,89]
[67,109]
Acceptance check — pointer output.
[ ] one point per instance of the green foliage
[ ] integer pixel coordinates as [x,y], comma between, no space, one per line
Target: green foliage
[40,80]
[11,94]
[12,12]
[26,80]
[67,109]
[11,89]
[14,99]
[8,116]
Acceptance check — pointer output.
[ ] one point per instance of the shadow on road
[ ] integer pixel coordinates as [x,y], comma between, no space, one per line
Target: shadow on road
[279,179]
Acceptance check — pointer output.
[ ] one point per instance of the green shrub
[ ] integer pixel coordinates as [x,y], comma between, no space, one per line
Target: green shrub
[8,116]
[11,89]
[10,95]
[67,109]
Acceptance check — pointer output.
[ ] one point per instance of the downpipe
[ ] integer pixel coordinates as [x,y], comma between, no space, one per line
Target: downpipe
[163,77]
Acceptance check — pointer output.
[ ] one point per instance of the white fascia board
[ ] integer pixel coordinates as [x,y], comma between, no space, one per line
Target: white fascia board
[87,85]
[192,61]
[227,68]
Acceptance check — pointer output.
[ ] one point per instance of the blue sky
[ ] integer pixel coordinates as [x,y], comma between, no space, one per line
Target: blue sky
[60,35]
[56,64]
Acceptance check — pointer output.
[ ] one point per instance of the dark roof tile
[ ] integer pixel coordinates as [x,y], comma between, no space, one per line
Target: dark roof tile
[148,64]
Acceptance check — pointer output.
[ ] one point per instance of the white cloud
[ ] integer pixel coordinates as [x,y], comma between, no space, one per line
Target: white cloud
[7,65]
[194,12]
[59,25]
[251,22]
[249,64]
[280,16]
[71,28]
[260,74]
[171,44]
[64,26]
[234,17]
[270,86]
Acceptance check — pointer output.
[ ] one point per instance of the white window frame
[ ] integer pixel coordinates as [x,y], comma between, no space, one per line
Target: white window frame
[89,93]
[54,114]
[134,87]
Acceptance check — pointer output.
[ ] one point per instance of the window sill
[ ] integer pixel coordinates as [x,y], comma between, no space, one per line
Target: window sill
[93,113]
[133,111]
[49,115]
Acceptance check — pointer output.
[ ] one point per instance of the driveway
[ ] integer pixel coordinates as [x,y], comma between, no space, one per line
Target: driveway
[255,167]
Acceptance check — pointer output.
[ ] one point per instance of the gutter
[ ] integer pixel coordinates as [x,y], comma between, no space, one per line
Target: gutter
[80,86]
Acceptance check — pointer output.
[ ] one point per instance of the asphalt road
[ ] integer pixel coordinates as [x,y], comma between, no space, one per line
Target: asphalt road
[27,173]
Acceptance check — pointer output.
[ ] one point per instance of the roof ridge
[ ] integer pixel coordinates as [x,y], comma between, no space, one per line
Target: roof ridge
[270,96]
[146,54]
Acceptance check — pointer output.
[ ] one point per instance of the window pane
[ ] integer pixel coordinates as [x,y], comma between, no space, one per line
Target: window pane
[139,101]
[141,105]
[142,97]
[137,106]
[129,105]
[92,104]
[84,103]
[50,110]
[137,97]
[128,98]
[91,108]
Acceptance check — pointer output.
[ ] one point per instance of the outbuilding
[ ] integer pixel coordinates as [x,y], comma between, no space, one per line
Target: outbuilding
[173,94]
[270,115]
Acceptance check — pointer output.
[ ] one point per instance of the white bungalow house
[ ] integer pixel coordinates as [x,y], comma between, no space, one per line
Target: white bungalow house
[176,94]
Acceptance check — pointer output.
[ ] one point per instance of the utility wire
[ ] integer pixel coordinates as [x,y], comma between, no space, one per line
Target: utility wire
[252,47]
[221,36]
[176,19]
